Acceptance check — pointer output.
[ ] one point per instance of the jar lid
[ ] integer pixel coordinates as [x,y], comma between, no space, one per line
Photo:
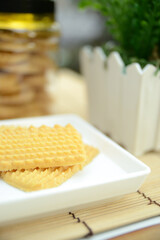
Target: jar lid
[27,6]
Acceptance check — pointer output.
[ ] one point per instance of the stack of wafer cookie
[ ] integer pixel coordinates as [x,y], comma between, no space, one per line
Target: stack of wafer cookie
[24,63]
[44,157]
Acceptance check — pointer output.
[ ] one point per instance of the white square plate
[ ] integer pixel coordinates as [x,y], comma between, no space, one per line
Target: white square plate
[113,173]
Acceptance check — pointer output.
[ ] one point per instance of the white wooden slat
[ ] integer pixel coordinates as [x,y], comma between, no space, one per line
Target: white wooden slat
[149,111]
[130,103]
[99,76]
[92,65]
[113,95]
[86,59]
[124,105]
[157,136]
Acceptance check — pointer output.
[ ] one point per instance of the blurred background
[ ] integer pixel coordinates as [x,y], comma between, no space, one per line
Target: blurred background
[37,38]
[78,28]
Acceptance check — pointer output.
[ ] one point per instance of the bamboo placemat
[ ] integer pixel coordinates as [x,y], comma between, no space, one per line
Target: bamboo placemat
[131,208]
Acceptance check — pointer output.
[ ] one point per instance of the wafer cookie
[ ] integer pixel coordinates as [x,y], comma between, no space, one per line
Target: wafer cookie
[38,179]
[36,80]
[30,46]
[18,37]
[28,67]
[43,147]
[25,96]
[7,58]
[11,36]
[36,65]
[49,44]
[17,47]
[9,83]
[37,107]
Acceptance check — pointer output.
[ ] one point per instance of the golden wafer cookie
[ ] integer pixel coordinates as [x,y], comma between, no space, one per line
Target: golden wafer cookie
[29,113]
[9,83]
[26,95]
[35,80]
[43,61]
[11,36]
[30,46]
[42,95]
[33,108]
[28,67]
[38,179]
[8,58]
[43,147]
[91,153]
[17,47]
[35,65]
[7,111]
[49,44]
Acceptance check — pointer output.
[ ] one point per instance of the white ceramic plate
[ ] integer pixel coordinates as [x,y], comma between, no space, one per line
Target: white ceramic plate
[113,173]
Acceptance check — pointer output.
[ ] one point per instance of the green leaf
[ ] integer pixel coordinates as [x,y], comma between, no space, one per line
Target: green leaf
[134,24]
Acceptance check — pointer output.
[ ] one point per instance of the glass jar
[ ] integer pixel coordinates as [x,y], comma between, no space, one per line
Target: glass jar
[29,38]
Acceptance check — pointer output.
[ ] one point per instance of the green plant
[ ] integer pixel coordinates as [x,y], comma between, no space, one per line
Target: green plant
[135,27]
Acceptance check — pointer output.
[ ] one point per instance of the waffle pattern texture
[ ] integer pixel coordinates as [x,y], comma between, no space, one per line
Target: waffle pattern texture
[42,147]
[38,179]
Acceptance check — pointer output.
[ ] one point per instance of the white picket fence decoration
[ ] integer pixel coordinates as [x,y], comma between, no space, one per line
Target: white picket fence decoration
[123,102]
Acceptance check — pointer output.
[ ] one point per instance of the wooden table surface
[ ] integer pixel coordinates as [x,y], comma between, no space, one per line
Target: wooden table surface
[70,96]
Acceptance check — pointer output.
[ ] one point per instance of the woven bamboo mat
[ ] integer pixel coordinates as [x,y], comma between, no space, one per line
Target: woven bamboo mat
[131,208]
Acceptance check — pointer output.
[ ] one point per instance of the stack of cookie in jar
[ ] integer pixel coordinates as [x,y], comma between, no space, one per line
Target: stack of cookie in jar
[24,67]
